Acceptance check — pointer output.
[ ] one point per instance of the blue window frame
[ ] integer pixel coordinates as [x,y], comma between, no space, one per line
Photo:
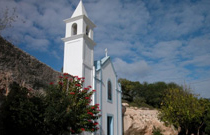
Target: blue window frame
[109,90]
[110,128]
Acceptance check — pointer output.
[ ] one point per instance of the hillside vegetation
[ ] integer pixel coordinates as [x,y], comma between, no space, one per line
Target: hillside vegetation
[177,105]
[18,66]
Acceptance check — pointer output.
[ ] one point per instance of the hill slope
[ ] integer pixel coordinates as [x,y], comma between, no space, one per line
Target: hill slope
[16,65]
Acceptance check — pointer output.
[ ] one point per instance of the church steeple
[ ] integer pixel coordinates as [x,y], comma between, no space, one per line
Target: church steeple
[79,45]
[80,10]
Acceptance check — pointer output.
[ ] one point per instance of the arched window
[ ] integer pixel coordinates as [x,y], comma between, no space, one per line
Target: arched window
[109,88]
[87,31]
[74,29]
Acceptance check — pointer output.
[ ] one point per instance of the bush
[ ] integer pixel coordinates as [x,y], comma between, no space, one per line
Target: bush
[156,131]
[64,108]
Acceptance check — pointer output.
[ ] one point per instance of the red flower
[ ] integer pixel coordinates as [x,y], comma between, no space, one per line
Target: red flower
[86,88]
[83,78]
[82,129]
[60,76]
[96,123]
[78,85]
[66,77]
[99,110]
[87,98]
[92,129]
[94,90]
[72,93]
[72,130]
[60,83]
[92,107]
[90,86]
[97,104]
[89,120]
[97,128]
[90,113]
[51,83]
[65,74]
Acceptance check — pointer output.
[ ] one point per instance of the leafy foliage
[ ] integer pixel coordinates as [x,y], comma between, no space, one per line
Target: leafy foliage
[156,131]
[63,108]
[68,107]
[144,95]
[182,109]
[21,113]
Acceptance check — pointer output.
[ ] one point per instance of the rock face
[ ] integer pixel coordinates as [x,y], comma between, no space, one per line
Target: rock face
[142,121]
[18,66]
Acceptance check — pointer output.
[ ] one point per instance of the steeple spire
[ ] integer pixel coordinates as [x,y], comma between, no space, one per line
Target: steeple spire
[80,10]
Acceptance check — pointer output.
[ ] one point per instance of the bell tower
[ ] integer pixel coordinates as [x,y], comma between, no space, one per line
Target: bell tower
[79,45]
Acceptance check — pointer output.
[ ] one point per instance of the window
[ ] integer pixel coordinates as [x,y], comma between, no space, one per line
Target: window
[109,90]
[74,29]
[87,31]
[109,125]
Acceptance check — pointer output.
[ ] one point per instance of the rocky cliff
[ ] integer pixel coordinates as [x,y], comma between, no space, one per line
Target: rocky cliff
[16,65]
[139,121]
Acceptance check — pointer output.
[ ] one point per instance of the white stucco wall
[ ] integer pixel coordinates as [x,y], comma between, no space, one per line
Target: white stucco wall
[109,107]
[73,57]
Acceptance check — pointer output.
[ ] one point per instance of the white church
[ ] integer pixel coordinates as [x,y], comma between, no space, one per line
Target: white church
[79,61]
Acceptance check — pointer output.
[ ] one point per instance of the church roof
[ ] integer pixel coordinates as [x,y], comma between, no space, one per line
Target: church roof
[104,60]
[100,63]
[80,10]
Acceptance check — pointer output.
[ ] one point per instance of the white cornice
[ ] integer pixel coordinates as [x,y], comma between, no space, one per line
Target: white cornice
[66,39]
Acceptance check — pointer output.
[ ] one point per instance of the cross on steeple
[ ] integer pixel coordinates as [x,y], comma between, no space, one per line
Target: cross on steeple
[106,52]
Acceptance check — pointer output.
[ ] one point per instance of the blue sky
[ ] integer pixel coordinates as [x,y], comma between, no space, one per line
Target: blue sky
[148,40]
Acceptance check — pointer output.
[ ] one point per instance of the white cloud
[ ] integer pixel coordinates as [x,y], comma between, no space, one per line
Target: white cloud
[36,44]
[133,71]
[149,40]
